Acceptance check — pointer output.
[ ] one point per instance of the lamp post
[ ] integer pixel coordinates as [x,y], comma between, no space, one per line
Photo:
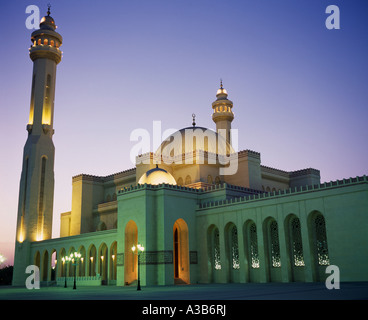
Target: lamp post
[2,258]
[75,257]
[139,249]
[65,260]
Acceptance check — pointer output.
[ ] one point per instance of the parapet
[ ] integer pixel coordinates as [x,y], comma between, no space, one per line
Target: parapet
[285,192]
[102,179]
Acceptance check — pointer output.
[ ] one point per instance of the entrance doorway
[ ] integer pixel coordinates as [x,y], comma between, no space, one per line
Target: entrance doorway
[131,261]
[181,252]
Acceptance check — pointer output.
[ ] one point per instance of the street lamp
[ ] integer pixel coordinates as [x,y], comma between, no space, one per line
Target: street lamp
[65,260]
[75,257]
[2,258]
[138,250]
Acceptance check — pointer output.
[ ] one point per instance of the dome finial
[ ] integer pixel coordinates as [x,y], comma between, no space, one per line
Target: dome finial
[193,123]
[221,87]
[48,9]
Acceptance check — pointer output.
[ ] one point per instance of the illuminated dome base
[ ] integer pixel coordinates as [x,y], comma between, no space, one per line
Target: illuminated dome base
[157,176]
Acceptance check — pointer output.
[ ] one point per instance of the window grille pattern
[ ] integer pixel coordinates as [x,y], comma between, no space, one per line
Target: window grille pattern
[321,241]
[42,191]
[275,246]
[297,246]
[234,248]
[253,246]
[216,250]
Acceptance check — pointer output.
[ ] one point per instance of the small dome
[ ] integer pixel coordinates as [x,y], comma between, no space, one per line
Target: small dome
[221,91]
[157,176]
[47,22]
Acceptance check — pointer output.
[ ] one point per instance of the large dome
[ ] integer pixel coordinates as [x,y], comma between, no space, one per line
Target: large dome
[190,139]
[157,176]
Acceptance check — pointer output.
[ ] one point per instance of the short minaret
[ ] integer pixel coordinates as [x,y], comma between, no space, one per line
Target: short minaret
[222,112]
[36,192]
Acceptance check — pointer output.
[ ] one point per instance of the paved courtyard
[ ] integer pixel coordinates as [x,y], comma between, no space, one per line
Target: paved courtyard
[247,291]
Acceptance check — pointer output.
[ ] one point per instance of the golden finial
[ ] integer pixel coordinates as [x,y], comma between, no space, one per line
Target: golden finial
[48,9]
[193,123]
[221,84]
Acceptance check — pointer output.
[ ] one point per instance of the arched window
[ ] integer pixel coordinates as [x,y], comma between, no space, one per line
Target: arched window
[108,198]
[81,267]
[101,226]
[180,181]
[275,245]
[45,42]
[321,240]
[39,41]
[41,199]
[113,263]
[46,112]
[25,186]
[216,249]
[296,242]
[114,197]
[92,261]
[209,179]
[217,180]
[253,246]
[234,248]
[52,43]
[188,180]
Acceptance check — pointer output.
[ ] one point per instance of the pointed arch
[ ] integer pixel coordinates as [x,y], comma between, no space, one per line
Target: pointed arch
[214,256]
[232,251]
[272,249]
[61,263]
[92,257]
[181,250]
[251,250]
[113,259]
[102,262]
[319,245]
[294,246]
[81,268]
[130,259]
[45,266]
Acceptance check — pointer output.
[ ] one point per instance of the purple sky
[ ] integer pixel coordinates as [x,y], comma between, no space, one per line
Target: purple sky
[299,90]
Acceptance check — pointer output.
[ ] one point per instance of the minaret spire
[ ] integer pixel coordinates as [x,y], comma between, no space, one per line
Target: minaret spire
[222,111]
[36,191]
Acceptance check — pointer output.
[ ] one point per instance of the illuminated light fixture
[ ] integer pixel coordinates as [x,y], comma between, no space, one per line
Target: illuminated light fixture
[139,249]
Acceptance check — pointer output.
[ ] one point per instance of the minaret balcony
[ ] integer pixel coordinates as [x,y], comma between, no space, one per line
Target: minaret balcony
[224,115]
[40,51]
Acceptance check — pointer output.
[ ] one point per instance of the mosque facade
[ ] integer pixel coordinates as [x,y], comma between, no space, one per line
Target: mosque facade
[193,211]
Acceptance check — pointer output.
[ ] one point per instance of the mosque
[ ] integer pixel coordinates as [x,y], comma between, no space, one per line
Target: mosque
[193,211]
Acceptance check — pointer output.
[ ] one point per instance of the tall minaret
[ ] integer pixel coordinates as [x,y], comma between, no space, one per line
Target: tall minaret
[222,112]
[36,192]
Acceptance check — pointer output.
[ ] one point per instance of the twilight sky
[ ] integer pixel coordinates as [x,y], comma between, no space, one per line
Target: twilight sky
[299,90]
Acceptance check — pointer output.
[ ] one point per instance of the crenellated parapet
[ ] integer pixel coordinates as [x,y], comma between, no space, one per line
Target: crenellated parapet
[103,179]
[284,193]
